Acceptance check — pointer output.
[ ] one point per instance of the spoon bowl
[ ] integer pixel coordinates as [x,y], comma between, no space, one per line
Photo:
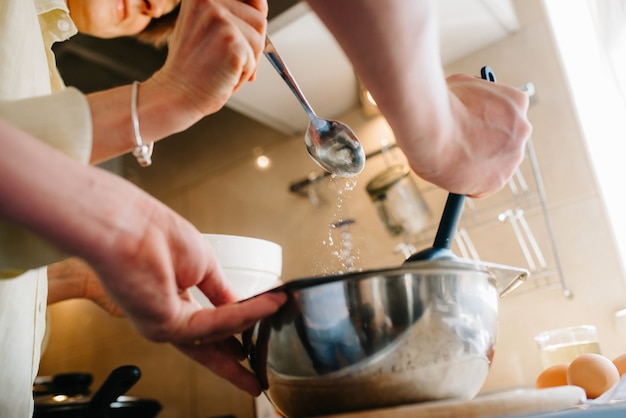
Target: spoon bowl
[335,147]
[331,144]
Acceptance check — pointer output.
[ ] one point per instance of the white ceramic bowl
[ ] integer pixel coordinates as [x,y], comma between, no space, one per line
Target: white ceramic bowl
[252,265]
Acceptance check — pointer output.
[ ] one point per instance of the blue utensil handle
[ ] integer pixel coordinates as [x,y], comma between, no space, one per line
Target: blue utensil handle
[486,73]
[449,220]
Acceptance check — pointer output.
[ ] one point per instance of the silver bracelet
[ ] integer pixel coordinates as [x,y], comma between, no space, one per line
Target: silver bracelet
[142,152]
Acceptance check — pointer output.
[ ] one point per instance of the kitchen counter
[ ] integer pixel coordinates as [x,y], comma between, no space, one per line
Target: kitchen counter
[604,411]
[611,404]
[513,403]
[556,402]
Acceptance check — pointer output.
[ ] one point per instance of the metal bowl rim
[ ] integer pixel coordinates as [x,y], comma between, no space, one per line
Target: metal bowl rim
[492,270]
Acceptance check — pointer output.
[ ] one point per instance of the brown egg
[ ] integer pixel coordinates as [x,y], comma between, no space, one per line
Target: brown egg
[620,363]
[552,376]
[594,373]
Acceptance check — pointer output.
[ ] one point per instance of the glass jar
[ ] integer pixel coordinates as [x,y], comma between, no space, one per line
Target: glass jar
[399,202]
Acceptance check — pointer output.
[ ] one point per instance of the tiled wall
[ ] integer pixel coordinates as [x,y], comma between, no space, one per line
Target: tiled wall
[210,177]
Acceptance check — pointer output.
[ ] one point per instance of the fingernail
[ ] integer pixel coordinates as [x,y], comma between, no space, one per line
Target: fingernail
[278,296]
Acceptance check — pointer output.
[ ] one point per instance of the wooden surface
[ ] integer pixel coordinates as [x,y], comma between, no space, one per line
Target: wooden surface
[510,403]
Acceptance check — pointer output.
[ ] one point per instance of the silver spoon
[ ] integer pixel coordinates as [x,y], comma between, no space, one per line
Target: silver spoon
[331,144]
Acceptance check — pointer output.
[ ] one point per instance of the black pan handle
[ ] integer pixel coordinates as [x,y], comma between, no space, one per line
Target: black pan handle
[118,382]
[71,384]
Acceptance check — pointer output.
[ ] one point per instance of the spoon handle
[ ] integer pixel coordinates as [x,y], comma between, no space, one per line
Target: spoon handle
[277,62]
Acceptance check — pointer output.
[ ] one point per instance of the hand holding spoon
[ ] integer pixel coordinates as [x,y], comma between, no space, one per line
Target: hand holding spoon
[331,144]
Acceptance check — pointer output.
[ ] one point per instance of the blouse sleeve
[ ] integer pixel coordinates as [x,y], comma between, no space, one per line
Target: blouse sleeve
[63,121]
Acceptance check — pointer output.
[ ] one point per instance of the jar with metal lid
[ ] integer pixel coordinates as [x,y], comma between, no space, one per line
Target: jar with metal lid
[399,202]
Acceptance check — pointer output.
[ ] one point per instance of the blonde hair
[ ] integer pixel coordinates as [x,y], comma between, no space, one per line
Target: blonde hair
[159,31]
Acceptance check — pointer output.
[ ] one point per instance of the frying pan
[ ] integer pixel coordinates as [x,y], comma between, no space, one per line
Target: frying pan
[107,401]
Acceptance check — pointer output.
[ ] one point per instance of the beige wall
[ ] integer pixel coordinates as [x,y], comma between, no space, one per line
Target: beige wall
[210,178]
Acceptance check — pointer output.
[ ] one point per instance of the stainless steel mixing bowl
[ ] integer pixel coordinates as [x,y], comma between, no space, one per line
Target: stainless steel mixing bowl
[365,340]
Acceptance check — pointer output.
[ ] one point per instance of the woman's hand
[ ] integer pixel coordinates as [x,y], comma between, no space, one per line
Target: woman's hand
[223,354]
[148,263]
[74,279]
[215,48]
[209,340]
[145,254]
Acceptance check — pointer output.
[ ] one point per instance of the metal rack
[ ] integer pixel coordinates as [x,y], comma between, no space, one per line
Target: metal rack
[525,200]
[519,210]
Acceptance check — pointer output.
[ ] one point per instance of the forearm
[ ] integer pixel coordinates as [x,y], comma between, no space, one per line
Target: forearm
[144,254]
[459,132]
[160,114]
[61,120]
[100,202]
[393,45]
[72,278]
[214,49]
[64,283]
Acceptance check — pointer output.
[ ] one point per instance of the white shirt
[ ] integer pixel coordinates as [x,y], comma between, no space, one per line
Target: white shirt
[28,77]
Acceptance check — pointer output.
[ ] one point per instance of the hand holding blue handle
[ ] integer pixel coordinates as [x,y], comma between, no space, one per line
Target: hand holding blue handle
[451,213]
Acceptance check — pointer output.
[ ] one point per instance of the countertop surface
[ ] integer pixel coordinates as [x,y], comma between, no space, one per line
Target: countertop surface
[603,411]
[512,403]
[557,402]
[611,404]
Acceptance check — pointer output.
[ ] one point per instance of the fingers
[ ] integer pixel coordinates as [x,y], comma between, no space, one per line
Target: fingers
[223,359]
[208,338]
[215,49]
[488,142]
[218,291]
[251,19]
[260,26]
[260,5]
[213,282]
[216,287]
[215,324]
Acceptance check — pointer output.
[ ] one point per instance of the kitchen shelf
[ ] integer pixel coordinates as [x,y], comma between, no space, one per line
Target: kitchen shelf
[494,215]
[517,214]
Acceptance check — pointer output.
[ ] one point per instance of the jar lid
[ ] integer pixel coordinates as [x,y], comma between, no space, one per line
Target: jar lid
[377,186]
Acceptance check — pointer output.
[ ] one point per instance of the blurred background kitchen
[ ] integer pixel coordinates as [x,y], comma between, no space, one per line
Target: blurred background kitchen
[245,171]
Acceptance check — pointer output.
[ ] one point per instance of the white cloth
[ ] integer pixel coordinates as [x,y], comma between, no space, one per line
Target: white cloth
[22,306]
[28,76]
[62,119]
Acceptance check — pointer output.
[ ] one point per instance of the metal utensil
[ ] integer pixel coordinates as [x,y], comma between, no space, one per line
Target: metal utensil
[331,144]
[451,213]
